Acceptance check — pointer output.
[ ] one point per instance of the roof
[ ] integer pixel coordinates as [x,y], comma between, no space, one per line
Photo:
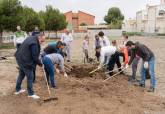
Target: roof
[79,12]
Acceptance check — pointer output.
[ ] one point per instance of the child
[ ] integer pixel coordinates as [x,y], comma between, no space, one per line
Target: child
[96,44]
[125,40]
[104,41]
[85,48]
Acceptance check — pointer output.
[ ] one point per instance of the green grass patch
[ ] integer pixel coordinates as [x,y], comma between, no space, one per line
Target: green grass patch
[7,46]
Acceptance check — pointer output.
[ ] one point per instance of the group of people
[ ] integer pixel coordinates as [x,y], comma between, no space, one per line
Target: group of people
[108,54]
[28,55]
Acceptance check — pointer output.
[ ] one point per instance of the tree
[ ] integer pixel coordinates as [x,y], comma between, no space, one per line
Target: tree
[114,17]
[54,20]
[10,16]
[32,20]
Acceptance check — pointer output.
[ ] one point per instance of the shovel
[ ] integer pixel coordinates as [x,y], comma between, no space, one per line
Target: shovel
[50,95]
[96,69]
[114,75]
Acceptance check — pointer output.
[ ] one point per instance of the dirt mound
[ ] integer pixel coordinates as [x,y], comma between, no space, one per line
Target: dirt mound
[83,71]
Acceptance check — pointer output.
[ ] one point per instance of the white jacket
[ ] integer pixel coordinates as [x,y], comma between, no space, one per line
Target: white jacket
[104,41]
[67,39]
[106,52]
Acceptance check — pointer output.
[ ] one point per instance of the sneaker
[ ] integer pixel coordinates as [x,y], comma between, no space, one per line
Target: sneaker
[151,90]
[142,85]
[54,87]
[68,60]
[20,91]
[34,96]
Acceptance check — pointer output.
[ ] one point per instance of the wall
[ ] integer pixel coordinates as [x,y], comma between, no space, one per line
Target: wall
[85,18]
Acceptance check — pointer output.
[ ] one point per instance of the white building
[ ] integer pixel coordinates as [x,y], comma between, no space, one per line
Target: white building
[150,20]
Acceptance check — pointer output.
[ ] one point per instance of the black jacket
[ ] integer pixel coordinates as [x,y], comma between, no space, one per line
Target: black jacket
[142,51]
[28,53]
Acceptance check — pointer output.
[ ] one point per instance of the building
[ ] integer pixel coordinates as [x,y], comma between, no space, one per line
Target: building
[77,19]
[150,20]
[129,25]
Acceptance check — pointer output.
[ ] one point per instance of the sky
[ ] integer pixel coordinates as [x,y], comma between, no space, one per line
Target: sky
[98,8]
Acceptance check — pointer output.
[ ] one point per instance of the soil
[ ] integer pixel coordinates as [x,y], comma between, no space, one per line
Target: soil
[82,93]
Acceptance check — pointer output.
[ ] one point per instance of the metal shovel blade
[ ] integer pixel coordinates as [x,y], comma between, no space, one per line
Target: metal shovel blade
[50,99]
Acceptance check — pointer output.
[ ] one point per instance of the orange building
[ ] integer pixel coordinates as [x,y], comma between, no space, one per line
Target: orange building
[76,19]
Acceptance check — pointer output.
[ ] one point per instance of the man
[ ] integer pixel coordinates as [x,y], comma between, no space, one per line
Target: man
[19,37]
[135,61]
[27,57]
[55,47]
[148,58]
[49,61]
[67,39]
[109,56]
[104,41]
[36,31]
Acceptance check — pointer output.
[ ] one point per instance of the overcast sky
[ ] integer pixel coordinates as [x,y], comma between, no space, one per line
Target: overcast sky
[98,8]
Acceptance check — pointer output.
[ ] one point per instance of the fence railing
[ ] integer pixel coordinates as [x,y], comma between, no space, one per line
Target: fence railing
[7,39]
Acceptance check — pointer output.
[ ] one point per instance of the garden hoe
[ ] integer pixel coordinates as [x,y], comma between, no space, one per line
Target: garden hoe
[50,95]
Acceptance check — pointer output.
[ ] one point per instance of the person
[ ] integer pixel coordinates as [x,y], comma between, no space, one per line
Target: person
[36,31]
[135,61]
[109,55]
[96,44]
[54,47]
[27,56]
[19,37]
[122,51]
[125,39]
[104,41]
[67,39]
[148,62]
[49,61]
[134,65]
[85,48]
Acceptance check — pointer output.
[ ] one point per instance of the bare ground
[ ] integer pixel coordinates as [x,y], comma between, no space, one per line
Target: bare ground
[82,93]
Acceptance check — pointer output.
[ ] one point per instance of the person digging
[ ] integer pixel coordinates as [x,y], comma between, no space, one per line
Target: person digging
[27,57]
[148,63]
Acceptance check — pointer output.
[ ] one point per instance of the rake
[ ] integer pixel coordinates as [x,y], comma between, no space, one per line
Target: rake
[50,95]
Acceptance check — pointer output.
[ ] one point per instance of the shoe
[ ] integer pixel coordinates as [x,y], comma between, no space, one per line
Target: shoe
[68,60]
[34,96]
[151,90]
[54,87]
[20,91]
[142,85]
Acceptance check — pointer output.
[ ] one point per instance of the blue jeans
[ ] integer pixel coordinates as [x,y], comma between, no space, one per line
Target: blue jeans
[151,64]
[49,69]
[134,67]
[29,75]
[18,46]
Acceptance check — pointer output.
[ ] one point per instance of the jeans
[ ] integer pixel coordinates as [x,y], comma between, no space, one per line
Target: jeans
[18,46]
[49,69]
[151,64]
[86,55]
[68,51]
[29,75]
[114,59]
[34,74]
[134,67]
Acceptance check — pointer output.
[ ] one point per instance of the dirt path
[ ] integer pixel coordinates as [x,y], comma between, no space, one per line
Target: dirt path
[85,94]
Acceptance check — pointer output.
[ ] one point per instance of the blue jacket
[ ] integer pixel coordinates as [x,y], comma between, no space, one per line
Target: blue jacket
[28,53]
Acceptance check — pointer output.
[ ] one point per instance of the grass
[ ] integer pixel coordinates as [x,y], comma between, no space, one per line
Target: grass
[7,46]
